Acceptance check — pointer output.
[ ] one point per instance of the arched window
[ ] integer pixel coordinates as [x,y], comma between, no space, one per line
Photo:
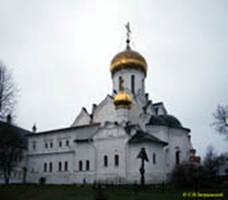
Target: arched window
[156,110]
[66,166]
[143,84]
[34,145]
[116,160]
[45,167]
[60,166]
[87,165]
[50,167]
[105,161]
[177,157]
[80,165]
[121,83]
[154,158]
[133,84]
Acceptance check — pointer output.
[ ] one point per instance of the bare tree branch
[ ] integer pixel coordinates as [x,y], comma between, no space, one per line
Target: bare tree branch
[7,92]
[11,143]
[221,120]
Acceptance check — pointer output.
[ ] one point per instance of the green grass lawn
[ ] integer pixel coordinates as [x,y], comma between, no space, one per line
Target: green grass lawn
[74,192]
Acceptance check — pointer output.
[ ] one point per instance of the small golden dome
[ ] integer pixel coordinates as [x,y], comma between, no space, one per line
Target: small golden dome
[128,59]
[123,100]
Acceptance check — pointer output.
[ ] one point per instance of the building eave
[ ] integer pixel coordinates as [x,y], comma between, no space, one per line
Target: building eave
[63,129]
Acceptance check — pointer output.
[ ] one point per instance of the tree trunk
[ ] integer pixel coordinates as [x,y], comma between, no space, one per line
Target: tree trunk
[24,174]
[6,180]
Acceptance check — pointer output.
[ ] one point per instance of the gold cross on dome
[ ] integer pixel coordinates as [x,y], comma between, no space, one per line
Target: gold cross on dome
[127,26]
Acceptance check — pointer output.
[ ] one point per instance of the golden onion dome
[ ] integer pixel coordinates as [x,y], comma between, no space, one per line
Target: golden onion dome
[128,59]
[123,100]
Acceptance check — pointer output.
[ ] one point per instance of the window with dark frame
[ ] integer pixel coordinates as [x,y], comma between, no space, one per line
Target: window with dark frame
[67,143]
[66,166]
[105,161]
[45,167]
[60,166]
[60,143]
[154,158]
[50,167]
[80,165]
[116,160]
[133,84]
[120,83]
[177,157]
[142,82]
[156,110]
[87,165]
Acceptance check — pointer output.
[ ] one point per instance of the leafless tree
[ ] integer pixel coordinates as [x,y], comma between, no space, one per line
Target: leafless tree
[7,92]
[221,120]
[211,161]
[12,143]
[12,146]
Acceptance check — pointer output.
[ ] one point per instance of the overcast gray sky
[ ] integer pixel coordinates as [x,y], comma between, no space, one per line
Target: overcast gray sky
[60,52]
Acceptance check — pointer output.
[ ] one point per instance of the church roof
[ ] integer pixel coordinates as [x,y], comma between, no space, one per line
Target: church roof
[128,59]
[165,120]
[21,131]
[82,132]
[86,134]
[157,104]
[142,136]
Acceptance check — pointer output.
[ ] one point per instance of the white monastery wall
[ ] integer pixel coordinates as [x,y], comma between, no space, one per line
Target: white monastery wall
[111,142]
[154,171]
[105,112]
[82,119]
[178,141]
[161,132]
[85,153]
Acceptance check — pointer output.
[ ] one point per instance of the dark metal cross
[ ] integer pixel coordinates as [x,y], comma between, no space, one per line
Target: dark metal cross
[143,156]
[127,26]
[128,30]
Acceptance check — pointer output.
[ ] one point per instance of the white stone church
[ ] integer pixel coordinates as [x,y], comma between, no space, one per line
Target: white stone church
[103,145]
